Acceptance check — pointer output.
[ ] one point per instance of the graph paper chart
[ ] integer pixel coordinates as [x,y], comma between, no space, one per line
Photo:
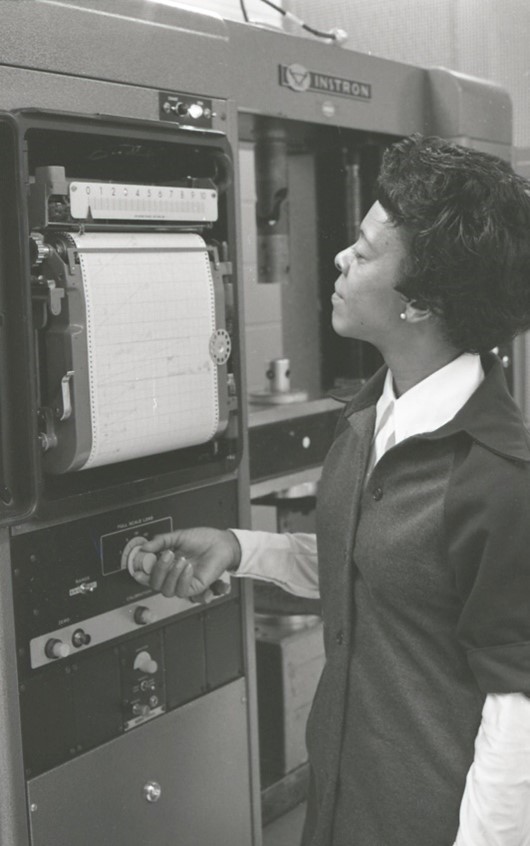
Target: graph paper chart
[150,314]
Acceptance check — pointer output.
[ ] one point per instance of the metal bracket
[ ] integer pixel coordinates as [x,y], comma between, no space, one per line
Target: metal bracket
[73,260]
[225,268]
[48,298]
[47,435]
[218,257]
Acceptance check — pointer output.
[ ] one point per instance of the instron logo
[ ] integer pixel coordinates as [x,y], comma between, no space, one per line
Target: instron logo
[297,77]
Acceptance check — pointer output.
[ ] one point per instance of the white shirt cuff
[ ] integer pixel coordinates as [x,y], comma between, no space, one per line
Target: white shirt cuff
[286,560]
[495,809]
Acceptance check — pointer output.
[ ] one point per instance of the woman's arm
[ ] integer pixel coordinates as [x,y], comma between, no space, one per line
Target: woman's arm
[286,560]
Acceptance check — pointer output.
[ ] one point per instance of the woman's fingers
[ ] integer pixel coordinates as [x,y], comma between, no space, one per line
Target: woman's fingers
[169,586]
[159,543]
[161,569]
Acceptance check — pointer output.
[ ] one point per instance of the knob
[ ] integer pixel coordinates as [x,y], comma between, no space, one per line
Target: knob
[144,616]
[135,560]
[39,250]
[56,648]
[80,638]
[196,111]
[145,664]
[182,109]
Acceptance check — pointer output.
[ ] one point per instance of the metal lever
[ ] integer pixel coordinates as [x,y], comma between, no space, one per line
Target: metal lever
[66,411]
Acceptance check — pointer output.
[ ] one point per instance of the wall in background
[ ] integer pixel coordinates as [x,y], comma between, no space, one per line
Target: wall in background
[482,38]
[258,12]
[282,319]
[263,303]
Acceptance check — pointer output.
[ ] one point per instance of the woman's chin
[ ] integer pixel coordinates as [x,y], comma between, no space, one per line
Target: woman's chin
[338,325]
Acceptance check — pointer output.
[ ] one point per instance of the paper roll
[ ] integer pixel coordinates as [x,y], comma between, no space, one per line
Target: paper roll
[150,311]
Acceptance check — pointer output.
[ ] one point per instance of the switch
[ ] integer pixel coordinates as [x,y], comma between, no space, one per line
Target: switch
[56,648]
[145,664]
[141,710]
[80,638]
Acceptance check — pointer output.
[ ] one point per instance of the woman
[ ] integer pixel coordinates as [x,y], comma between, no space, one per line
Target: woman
[420,730]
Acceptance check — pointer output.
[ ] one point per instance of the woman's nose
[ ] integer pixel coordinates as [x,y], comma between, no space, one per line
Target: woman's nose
[341,261]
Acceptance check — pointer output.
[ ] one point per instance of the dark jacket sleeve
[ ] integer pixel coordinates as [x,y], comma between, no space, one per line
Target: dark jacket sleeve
[488,536]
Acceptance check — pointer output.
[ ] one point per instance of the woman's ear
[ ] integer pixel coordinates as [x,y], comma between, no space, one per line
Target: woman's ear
[415,312]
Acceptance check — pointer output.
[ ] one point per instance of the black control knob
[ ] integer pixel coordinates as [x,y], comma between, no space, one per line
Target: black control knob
[144,616]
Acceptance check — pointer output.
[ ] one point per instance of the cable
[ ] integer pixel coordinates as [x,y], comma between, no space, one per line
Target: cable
[244,11]
[337,35]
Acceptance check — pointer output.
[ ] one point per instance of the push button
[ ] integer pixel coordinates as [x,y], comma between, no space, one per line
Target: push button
[56,648]
[378,494]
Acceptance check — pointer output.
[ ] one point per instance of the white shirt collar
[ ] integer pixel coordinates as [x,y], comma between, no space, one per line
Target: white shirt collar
[433,401]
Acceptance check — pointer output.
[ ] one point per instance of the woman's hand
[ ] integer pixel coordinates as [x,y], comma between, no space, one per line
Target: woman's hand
[189,562]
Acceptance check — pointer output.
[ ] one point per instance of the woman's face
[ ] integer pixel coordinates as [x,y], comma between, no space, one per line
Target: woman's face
[365,303]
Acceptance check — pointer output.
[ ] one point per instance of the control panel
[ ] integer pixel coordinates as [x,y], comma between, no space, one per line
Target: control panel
[188,111]
[100,654]
[81,592]
[73,589]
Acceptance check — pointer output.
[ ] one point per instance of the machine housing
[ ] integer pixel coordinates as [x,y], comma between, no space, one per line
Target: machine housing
[124,713]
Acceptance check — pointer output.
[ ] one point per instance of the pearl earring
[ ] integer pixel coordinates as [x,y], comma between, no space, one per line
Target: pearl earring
[403,315]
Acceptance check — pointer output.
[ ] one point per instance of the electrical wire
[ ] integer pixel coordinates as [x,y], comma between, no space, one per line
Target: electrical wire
[243,10]
[337,35]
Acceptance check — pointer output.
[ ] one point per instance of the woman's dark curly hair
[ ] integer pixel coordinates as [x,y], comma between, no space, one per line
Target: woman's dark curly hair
[468,218]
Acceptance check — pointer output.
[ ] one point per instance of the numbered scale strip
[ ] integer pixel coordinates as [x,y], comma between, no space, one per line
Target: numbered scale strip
[102,200]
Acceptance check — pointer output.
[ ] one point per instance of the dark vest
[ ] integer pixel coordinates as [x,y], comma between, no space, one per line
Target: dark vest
[392,729]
